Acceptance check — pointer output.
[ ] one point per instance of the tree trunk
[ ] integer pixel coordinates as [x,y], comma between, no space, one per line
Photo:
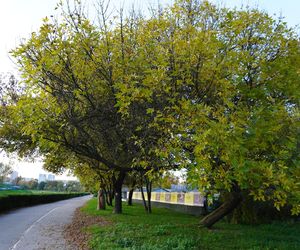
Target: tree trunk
[149,189]
[228,206]
[144,201]
[205,204]
[101,200]
[118,193]
[109,195]
[109,199]
[130,197]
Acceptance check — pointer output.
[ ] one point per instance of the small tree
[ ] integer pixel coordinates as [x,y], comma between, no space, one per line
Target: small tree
[5,170]
[166,179]
[41,185]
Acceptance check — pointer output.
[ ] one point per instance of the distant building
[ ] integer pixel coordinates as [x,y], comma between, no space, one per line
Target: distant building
[14,175]
[51,177]
[179,188]
[42,177]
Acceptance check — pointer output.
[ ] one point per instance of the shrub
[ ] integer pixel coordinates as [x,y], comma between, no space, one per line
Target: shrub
[20,200]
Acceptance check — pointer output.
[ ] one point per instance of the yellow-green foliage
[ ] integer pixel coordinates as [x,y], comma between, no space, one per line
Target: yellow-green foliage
[225,84]
[211,89]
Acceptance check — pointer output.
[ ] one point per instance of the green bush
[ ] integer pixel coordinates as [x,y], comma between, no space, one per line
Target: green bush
[257,212]
[21,200]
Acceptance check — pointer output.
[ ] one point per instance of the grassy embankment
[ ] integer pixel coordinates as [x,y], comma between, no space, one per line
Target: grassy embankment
[165,229]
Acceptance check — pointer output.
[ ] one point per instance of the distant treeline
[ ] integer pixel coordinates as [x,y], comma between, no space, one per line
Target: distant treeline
[59,186]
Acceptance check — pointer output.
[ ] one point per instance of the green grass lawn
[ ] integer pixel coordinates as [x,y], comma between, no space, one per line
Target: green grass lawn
[10,192]
[165,229]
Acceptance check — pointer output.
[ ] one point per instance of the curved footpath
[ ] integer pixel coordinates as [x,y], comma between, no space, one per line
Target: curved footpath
[38,227]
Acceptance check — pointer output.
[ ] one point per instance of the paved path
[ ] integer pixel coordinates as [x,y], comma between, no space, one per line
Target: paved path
[38,227]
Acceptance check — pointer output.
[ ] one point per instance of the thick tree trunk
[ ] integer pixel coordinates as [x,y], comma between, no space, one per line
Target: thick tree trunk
[118,193]
[130,197]
[101,200]
[118,200]
[228,206]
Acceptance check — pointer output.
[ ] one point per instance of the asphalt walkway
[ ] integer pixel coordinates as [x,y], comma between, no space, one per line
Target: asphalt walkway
[38,227]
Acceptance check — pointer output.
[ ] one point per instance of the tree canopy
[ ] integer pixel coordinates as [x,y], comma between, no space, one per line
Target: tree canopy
[230,80]
[212,90]
[69,108]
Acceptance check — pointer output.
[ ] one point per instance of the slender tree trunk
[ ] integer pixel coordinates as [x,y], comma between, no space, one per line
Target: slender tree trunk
[118,193]
[228,206]
[109,198]
[144,201]
[130,197]
[205,205]
[112,193]
[101,200]
[109,195]
[149,189]
[112,196]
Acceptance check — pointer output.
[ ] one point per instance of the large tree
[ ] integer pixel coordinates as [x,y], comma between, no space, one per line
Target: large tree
[71,70]
[230,80]
[210,89]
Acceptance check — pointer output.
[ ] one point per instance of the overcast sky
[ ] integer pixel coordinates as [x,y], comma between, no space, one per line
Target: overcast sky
[18,18]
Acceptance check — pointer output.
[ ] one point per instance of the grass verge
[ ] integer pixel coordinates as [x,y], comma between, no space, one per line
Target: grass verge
[166,229]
